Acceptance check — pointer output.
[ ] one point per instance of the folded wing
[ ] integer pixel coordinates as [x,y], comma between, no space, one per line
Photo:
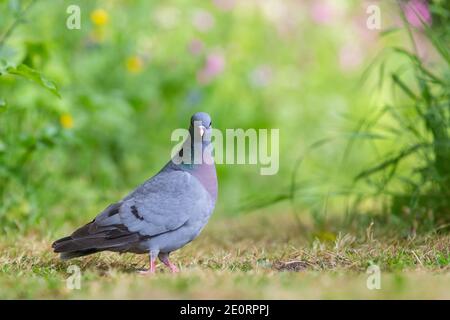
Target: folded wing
[162,204]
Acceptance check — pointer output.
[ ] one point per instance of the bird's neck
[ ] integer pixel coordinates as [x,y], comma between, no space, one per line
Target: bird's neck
[206,174]
[205,171]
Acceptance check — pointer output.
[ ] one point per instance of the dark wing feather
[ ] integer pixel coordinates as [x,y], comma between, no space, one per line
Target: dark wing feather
[93,238]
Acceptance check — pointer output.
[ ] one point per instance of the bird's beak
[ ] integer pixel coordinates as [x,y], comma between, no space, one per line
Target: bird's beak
[201,130]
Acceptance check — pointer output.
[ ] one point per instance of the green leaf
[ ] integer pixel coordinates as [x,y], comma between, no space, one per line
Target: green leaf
[388,31]
[418,63]
[26,72]
[404,87]
[366,135]
[437,42]
[390,161]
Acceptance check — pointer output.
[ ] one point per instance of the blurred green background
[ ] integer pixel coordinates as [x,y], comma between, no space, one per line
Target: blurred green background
[136,70]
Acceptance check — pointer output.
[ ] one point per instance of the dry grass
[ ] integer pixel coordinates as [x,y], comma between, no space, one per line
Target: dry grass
[256,256]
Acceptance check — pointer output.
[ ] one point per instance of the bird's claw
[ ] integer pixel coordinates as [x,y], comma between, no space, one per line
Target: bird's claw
[174,269]
[146,272]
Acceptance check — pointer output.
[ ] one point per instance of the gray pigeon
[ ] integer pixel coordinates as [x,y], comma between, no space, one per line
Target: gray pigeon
[163,214]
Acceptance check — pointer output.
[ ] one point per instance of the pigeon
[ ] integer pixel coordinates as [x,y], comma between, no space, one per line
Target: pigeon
[161,215]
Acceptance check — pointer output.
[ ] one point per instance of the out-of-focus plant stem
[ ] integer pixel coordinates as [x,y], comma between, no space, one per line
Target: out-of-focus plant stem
[15,23]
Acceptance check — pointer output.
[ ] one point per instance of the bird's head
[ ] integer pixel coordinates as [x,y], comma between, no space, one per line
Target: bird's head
[201,126]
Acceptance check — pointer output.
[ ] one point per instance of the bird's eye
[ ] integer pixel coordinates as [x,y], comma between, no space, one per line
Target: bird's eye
[210,124]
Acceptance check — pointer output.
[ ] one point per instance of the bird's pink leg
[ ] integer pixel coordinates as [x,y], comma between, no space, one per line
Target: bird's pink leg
[152,268]
[164,257]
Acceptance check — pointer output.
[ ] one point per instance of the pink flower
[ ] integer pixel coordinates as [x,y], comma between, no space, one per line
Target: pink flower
[224,5]
[322,12]
[215,64]
[417,11]
[196,47]
[203,20]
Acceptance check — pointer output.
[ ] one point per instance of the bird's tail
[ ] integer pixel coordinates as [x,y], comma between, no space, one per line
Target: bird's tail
[92,238]
[76,254]
[67,247]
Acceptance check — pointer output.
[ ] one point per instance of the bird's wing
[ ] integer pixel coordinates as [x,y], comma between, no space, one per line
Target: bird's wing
[163,203]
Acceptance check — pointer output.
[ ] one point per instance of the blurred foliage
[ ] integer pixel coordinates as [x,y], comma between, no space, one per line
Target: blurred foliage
[86,114]
[416,173]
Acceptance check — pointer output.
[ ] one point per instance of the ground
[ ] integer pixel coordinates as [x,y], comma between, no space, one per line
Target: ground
[255,256]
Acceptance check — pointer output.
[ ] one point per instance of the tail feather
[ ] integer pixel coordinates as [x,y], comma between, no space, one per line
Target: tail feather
[61,240]
[93,238]
[76,254]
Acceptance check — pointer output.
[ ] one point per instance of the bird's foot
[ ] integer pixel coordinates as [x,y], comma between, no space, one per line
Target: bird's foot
[146,272]
[150,270]
[164,257]
[173,268]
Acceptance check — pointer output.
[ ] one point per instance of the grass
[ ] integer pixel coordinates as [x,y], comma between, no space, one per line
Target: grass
[417,119]
[60,159]
[259,255]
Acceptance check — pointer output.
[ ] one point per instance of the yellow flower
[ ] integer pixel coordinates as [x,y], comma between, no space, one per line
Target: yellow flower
[99,17]
[134,64]
[66,121]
